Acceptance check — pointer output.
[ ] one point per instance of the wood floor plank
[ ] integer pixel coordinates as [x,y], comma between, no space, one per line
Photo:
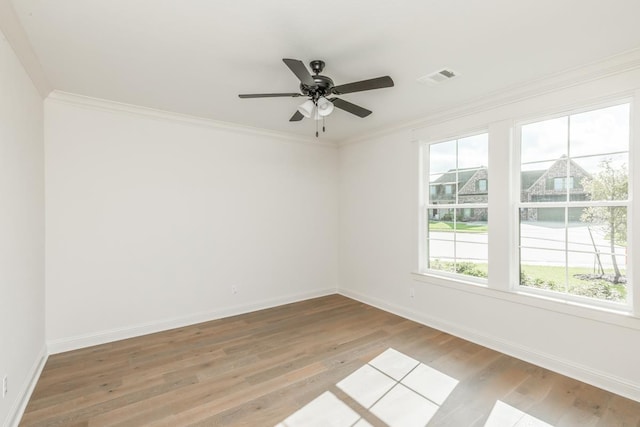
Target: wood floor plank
[259,368]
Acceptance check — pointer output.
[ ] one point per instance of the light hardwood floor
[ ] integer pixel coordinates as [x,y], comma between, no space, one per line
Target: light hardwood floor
[257,369]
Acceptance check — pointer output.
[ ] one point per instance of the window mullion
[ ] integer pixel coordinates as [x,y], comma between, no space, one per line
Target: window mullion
[455,211]
[633,215]
[500,205]
[566,249]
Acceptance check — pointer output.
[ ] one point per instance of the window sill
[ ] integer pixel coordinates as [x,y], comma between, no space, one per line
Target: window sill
[600,314]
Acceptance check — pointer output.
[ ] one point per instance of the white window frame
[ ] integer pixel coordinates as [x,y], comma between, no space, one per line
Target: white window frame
[425,206]
[503,259]
[628,305]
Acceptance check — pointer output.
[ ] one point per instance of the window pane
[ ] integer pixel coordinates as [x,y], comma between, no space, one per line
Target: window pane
[595,268]
[581,235]
[472,221]
[546,140]
[588,263]
[443,188]
[442,157]
[548,271]
[601,131]
[473,268]
[601,178]
[593,275]
[542,251]
[471,241]
[473,152]
[543,227]
[442,255]
[441,219]
[471,258]
[533,182]
[604,226]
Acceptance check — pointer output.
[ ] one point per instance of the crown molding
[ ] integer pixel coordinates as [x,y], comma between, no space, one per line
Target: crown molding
[136,110]
[611,66]
[19,42]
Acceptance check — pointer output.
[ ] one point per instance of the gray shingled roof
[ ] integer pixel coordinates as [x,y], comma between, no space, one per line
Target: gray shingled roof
[528,178]
[464,175]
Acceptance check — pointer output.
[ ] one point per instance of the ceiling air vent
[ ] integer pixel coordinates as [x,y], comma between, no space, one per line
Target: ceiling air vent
[438,77]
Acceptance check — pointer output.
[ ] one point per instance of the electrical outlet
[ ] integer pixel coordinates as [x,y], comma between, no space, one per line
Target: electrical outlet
[234,289]
[5,386]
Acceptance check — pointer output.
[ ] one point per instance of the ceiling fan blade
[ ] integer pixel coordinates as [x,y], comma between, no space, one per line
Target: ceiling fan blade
[297,116]
[377,83]
[300,71]
[269,95]
[349,107]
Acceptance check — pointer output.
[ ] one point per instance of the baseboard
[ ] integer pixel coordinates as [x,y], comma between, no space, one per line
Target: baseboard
[565,367]
[20,404]
[102,337]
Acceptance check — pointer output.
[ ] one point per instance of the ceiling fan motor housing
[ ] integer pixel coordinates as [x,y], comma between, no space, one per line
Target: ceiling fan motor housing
[323,84]
[322,87]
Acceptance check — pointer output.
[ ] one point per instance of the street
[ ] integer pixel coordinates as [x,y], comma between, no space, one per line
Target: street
[541,244]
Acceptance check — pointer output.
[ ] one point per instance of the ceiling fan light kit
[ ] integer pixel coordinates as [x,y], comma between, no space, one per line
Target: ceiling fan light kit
[324,106]
[318,87]
[307,108]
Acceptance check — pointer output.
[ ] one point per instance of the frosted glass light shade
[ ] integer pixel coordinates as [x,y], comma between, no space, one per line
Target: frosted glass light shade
[306,108]
[325,107]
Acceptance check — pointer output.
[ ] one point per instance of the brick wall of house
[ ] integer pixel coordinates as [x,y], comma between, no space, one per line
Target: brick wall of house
[471,193]
[543,189]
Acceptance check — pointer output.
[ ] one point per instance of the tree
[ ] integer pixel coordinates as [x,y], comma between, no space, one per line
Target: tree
[609,184]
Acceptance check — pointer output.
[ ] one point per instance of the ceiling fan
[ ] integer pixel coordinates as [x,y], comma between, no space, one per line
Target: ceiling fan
[318,87]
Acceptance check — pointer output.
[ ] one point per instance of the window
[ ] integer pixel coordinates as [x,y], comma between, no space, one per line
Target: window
[573,204]
[560,183]
[455,236]
[482,185]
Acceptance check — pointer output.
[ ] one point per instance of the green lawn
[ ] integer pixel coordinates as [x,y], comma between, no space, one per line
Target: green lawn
[461,227]
[557,274]
[548,277]
[553,278]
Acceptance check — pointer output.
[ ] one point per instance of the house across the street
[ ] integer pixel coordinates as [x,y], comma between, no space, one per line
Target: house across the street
[546,185]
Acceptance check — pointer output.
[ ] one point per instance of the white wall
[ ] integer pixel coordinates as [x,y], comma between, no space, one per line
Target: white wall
[22,329]
[379,251]
[152,219]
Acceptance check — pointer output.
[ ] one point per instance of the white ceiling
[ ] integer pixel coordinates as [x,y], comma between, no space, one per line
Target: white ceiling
[196,56]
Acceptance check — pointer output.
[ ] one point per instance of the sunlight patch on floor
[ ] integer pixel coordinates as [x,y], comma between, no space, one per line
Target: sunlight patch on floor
[325,410]
[395,388]
[503,415]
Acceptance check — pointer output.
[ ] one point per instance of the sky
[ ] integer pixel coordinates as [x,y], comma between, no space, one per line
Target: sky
[472,152]
[588,137]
